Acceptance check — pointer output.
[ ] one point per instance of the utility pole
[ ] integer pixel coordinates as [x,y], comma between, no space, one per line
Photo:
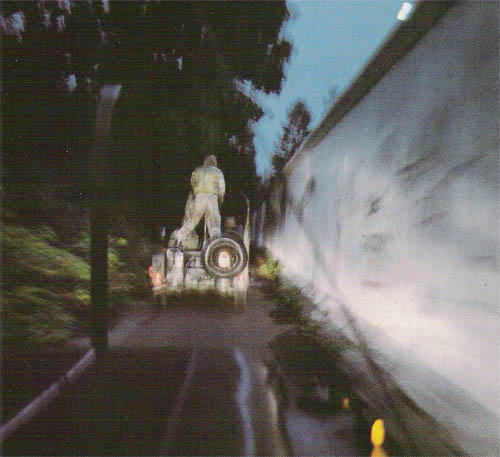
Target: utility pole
[99,218]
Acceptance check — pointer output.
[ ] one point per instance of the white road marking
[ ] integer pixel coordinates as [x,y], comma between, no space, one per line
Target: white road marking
[173,420]
[242,395]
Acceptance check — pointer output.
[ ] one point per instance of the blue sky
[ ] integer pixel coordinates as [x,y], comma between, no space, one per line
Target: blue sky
[332,41]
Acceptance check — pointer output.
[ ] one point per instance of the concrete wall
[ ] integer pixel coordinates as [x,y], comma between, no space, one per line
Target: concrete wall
[393,212]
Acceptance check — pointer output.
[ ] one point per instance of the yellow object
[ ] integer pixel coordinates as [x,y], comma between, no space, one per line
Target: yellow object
[378,452]
[345,404]
[377,435]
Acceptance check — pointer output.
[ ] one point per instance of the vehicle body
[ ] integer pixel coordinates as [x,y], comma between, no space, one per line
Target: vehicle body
[216,267]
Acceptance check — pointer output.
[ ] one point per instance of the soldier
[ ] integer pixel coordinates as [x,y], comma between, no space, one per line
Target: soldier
[208,186]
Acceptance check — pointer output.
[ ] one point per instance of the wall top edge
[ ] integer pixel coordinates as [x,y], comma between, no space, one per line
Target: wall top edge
[426,15]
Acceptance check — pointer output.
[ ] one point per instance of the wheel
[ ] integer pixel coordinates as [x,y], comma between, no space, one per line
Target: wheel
[224,257]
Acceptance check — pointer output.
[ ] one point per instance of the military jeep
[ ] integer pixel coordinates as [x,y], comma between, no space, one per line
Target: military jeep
[216,268]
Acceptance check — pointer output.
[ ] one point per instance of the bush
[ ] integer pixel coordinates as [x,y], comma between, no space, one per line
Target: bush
[267,267]
[30,256]
[32,316]
[46,283]
[37,283]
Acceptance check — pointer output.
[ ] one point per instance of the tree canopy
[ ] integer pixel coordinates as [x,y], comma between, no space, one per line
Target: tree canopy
[294,132]
[180,65]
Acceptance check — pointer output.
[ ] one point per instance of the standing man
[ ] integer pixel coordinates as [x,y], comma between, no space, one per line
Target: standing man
[208,187]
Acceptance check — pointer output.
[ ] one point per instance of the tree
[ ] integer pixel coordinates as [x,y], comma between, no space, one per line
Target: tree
[330,99]
[294,133]
[178,63]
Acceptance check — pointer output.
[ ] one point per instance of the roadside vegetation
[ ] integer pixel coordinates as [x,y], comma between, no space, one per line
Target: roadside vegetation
[46,279]
[325,373]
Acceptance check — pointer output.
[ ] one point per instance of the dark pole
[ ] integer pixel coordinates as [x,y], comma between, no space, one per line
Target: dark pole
[99,219]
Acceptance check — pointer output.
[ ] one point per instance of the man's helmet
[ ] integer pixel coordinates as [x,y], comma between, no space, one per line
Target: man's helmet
[210,160]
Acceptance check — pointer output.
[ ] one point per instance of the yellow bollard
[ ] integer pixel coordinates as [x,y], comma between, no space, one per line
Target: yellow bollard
[346,406]
[377,437]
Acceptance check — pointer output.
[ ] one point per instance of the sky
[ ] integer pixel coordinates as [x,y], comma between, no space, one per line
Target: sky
[332,41]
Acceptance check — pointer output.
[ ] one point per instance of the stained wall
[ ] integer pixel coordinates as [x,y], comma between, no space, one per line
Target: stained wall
[393,213]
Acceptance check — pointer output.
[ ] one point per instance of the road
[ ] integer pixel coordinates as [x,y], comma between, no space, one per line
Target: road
[183,380]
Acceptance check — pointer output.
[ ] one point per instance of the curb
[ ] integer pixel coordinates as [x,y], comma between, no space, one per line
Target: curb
[47,396]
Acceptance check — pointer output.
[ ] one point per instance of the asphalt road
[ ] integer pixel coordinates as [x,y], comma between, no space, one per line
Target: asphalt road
[182,380]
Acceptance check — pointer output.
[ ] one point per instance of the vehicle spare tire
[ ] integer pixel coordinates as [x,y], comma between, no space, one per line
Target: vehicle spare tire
[225,256]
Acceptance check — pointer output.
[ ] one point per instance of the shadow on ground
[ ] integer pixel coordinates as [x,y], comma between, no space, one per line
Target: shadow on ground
[119,407]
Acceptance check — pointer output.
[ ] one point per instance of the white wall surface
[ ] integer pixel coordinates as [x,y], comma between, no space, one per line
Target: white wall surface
[395,214]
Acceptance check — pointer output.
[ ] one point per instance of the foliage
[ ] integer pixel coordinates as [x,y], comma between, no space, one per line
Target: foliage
[122,281]
[82,296]
[182,66]
[45,286]
[33,316]
[268,268]
[289,308]
[294,133]
[37,278]
[36,259]
[313,351]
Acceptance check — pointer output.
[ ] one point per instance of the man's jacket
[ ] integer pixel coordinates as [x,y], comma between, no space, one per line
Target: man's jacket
[208,179]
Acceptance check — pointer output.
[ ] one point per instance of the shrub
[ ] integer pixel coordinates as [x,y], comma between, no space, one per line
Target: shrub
[38,281]
[29,255]
[46,283]
[32,316]
[268,268]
